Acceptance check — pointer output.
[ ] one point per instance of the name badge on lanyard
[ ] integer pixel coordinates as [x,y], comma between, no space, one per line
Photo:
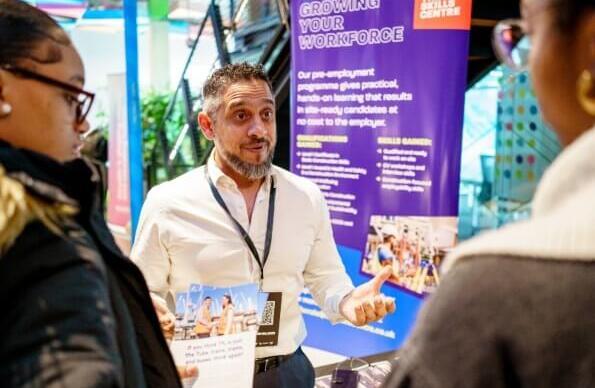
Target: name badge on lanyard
[268,329]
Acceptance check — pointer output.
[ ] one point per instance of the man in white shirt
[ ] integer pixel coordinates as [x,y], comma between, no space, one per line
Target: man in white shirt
[190,229]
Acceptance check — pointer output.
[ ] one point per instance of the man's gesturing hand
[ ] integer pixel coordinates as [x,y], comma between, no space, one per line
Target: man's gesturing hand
[365,303]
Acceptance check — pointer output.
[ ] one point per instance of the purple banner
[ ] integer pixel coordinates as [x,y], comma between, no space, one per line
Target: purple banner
[377,95]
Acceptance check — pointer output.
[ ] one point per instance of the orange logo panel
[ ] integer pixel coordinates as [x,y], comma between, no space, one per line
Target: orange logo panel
[442,15]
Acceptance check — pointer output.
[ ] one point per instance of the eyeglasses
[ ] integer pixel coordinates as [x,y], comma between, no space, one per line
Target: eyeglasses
[83,99]
[511,45]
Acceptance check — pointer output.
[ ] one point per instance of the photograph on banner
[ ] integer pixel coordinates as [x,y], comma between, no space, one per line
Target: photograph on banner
[413,246]
[216,331]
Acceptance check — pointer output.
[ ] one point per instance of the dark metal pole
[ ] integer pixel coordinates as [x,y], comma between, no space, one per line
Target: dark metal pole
[191,120]
[219,32]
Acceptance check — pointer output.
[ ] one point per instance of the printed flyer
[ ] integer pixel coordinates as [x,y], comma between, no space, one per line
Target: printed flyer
[377,95]
[216,332]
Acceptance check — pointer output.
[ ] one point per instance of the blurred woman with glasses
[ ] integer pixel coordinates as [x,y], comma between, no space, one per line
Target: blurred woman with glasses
[75,311]
[516,307]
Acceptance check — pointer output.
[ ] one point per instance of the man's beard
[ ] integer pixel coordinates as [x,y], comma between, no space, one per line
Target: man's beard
[248,170]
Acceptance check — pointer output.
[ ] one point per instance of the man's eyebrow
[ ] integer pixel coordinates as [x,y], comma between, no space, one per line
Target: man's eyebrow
[241,103]
[269,101]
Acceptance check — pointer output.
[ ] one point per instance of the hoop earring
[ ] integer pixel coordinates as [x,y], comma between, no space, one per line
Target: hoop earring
[584,90]
[5,109]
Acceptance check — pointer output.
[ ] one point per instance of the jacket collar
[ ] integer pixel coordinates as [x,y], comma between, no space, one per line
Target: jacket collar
[72,183]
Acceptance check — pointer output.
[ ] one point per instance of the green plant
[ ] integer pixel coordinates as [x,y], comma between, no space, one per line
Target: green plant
[153,109]
[102,123]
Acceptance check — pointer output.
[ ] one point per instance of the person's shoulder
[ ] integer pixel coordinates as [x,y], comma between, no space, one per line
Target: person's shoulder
[167,192]
[471,295]
[465,291]
[35,237]
[483,283]
[24,210]
[478,276]
[40,248]
[492,306]
[510,274]
[182,181]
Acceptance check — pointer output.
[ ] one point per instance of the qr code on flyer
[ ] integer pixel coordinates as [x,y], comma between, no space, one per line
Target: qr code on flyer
[268,315]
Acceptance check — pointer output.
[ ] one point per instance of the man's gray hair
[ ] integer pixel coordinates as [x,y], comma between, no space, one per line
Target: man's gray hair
[225,76]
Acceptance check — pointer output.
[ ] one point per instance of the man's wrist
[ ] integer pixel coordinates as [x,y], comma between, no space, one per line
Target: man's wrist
[343,300]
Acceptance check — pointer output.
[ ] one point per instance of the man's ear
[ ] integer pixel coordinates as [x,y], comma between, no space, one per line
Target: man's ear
[206,125]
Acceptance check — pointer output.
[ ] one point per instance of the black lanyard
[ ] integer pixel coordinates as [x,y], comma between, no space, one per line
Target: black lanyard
[242,231]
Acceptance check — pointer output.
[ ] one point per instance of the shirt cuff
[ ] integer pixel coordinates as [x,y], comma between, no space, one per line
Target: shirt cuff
[333,313]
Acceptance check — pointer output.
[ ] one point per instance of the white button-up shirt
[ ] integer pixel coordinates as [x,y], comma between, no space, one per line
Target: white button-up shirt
[185,237]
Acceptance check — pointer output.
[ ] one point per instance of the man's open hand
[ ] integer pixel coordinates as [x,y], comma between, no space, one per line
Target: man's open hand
[365,303]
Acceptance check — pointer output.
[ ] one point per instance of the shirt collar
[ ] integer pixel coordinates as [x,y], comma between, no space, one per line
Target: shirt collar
[222,180]
[218,177]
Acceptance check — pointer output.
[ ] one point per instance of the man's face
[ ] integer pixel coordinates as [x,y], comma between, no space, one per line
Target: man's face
[244,128]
